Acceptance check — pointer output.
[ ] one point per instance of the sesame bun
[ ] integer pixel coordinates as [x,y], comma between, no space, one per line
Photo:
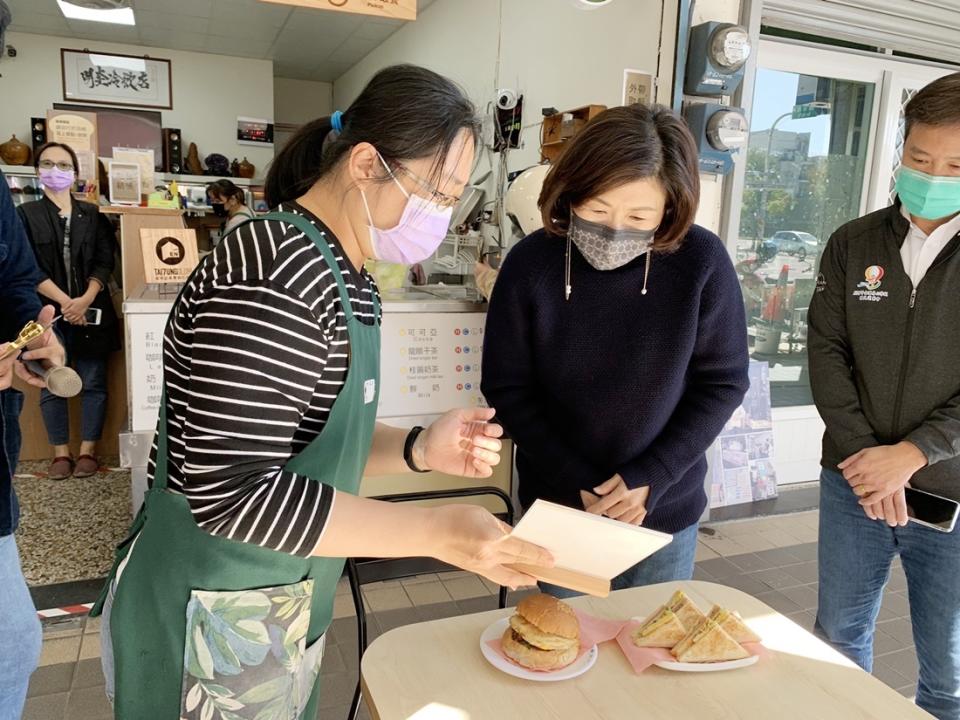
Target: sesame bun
[550,615]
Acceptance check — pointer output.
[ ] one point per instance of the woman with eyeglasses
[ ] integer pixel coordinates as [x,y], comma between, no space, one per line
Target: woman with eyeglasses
[221,596]
[74,245]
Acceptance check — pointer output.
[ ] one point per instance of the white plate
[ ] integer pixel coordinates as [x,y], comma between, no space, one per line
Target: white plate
[708,667]
[495,631]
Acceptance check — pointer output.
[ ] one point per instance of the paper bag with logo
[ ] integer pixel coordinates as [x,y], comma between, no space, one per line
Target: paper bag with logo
[169,255]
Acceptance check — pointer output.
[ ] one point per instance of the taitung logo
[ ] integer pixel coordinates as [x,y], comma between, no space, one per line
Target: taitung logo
[873,275]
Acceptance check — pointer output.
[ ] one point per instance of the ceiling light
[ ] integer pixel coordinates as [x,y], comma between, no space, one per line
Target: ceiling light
[94,11]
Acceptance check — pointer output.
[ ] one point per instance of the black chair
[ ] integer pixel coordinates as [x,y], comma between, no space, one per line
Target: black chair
[362,571]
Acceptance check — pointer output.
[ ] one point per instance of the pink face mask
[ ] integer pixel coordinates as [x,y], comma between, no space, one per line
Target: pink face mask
[57,179]
[421,229]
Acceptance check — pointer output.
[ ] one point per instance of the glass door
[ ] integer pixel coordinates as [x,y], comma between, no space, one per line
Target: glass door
[807,173]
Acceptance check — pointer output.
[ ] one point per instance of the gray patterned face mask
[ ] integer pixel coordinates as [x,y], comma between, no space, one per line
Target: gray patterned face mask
[606,248]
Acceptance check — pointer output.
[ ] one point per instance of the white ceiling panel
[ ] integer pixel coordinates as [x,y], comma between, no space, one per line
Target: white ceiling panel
[177,22]
[304,44]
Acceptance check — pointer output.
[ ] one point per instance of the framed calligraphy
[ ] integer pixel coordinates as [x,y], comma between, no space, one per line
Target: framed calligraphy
[112,79]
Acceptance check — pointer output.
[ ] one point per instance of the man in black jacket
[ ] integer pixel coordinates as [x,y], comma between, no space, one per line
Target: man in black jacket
[885,368]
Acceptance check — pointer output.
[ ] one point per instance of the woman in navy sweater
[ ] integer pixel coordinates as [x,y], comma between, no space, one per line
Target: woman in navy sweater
[616,342]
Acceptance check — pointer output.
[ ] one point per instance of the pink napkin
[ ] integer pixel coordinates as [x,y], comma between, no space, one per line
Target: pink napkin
[642,658]
[593,631]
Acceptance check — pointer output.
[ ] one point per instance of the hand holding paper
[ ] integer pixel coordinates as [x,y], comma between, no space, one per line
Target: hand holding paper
[588,550]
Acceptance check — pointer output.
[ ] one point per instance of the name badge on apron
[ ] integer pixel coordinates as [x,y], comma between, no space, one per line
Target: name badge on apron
[369,391]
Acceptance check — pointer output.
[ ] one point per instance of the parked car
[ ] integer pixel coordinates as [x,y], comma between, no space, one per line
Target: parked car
[790,242]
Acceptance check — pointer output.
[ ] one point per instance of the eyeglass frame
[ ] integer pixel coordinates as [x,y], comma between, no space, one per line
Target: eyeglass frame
[440,198]
[50,165]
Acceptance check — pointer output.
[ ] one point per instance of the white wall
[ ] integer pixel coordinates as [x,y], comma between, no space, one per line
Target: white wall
[296,102]
[209,92]
[555,54]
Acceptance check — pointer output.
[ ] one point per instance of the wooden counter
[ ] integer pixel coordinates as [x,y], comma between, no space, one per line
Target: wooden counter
[435,670]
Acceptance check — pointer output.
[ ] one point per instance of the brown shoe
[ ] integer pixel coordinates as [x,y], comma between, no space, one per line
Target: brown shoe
[61,468]
[87,466]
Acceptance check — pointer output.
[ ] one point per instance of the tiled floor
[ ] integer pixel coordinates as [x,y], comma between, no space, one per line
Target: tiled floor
[773,558]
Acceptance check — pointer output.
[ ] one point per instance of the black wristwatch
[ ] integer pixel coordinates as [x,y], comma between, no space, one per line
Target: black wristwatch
[408,449]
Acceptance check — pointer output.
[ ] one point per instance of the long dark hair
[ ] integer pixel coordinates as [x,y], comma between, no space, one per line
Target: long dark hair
[406,112]
[621,145]
[226,190]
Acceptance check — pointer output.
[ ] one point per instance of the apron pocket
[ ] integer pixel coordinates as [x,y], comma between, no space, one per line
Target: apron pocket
[246,655]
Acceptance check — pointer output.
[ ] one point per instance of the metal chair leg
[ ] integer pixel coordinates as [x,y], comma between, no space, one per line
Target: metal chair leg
[361,632]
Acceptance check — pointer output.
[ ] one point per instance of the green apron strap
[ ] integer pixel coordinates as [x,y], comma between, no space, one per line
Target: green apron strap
[310,230]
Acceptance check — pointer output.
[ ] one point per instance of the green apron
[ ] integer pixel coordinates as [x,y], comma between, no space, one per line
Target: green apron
[215,629]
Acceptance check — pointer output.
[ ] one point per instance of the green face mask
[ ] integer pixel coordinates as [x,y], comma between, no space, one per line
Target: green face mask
[929,197]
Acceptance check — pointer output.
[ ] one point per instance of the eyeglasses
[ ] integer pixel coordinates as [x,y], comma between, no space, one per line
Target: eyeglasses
[50,164]
[441,199]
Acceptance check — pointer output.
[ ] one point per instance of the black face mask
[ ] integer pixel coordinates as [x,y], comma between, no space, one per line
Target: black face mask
[219,209]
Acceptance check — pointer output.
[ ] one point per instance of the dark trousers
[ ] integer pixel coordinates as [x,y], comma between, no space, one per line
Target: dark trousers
[56,417]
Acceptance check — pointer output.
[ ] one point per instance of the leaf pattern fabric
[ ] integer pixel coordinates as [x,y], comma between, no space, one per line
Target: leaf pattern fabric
[246,654]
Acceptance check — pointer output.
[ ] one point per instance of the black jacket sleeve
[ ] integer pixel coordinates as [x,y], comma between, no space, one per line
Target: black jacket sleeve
[831,359]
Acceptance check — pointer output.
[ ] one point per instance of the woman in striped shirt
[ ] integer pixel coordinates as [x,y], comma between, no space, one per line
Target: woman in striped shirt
[221,596]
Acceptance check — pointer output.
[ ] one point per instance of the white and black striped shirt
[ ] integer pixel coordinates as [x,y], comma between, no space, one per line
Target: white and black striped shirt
[253,360]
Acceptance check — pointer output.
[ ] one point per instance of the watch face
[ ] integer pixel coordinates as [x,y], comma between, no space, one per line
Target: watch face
[730,47]
[727,130]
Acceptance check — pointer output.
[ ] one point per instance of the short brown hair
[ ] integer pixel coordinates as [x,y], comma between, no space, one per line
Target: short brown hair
[69,150]
[936,104]
[622,145]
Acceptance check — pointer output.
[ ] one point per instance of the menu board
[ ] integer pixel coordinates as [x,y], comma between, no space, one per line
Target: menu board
[145,340]
[430,363]
[742,457]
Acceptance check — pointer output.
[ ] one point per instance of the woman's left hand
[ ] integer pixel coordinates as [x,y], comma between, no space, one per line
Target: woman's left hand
[619,502]
[462,442]
[75,310]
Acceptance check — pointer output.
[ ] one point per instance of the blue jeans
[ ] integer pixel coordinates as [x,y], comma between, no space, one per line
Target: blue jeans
[855,555]
[20,633]
[674,562]
[56,417]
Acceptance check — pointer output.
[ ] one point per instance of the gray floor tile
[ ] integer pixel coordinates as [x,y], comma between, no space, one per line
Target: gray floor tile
[884,643]
[89,704]
[747,584]
[515,596]
[896,603]
[904,662]
[701,574]
[898,629]
[751,562]
[45,707]
[89,673]
[898,582]
[332,661]
[804,619]
[720,568]
[336,689]
[777,578]
[803,596]
[806,551]
[391,619]
[51,679]
[889,676]
[779,557]
[908,690]
[805,572]
[477,605]
[437,611]
[779,602]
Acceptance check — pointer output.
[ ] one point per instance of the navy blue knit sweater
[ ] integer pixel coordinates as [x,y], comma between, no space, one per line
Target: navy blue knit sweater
[614,381]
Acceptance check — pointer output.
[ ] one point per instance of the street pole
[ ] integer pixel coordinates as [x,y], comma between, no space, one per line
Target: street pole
[762,220]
